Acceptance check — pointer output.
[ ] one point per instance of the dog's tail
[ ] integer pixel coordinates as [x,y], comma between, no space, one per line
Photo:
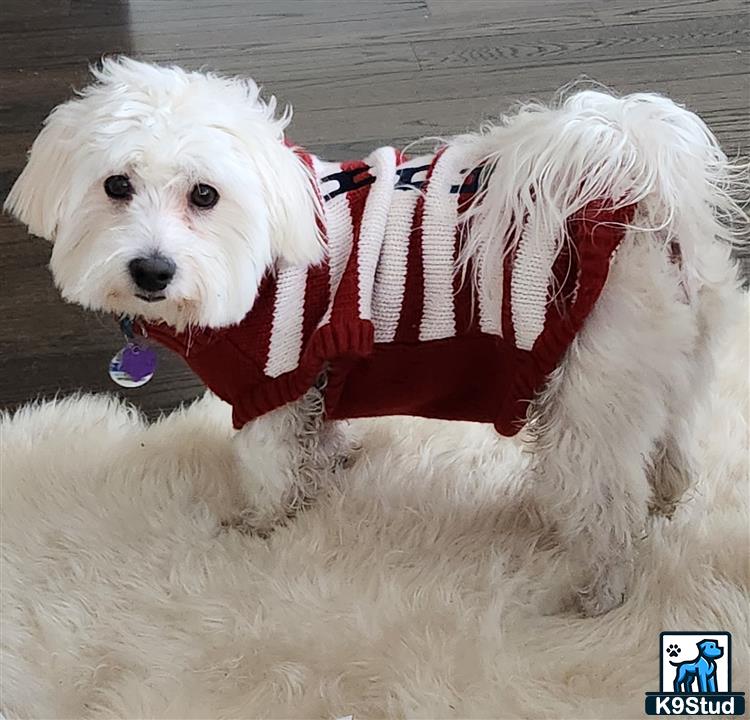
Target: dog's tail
[543,164]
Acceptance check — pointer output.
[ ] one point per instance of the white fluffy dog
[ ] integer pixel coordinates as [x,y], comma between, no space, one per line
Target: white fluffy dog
[562,271]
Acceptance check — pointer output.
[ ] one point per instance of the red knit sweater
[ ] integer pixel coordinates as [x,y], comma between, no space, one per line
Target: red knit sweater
[398,332]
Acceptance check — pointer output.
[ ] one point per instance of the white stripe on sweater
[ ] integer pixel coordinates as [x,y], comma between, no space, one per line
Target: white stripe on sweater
[490,276]
[488,261]
[338,218]
[288,315]
[532,270]
[438,246]
[377,209]
[390,280]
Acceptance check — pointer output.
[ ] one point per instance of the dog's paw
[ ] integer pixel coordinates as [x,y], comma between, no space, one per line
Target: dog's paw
[673,650]
[250,523]
[346,460]
[605,594]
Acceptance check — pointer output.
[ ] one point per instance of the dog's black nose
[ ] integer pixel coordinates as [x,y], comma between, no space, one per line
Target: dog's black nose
[152,274]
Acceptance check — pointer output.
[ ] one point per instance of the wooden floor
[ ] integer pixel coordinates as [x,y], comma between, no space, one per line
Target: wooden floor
[359,73]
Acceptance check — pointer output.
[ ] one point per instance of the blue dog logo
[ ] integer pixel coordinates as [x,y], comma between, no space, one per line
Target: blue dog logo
[702,669]
[695,676]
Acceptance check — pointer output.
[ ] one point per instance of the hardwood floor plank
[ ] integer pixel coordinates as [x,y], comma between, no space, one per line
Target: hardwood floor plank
[627,12]
[683,37]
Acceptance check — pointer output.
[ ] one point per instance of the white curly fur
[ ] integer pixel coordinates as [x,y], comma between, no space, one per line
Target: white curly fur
[285,458]
[615,413]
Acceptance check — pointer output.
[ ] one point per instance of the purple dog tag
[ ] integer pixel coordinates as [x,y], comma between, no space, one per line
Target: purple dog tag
[133,366]
[138,361]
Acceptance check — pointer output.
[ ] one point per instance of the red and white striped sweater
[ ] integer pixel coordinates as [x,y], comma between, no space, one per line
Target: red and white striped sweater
[397,330]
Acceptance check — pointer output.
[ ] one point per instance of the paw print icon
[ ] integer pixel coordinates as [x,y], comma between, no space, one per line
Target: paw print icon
[673,650]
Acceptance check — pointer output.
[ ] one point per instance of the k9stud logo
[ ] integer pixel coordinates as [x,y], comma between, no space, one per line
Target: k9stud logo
[695,676]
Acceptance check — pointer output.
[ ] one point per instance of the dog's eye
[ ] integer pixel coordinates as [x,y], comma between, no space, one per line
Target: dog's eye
[204,196]
[118,187]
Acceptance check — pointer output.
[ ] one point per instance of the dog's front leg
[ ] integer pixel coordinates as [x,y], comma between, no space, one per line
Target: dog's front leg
[284,457]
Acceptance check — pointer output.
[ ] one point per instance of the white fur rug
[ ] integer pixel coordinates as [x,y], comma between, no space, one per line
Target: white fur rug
[418,591]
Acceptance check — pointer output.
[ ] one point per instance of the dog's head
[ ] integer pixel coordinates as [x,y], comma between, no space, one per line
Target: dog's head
[709,649]
[167,194]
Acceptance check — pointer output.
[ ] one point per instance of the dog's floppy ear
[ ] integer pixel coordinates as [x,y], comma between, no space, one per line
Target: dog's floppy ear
[289,191]
[38,195]
[294,208]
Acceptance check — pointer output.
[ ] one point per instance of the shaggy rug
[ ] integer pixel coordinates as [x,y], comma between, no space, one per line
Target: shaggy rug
[421,588]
